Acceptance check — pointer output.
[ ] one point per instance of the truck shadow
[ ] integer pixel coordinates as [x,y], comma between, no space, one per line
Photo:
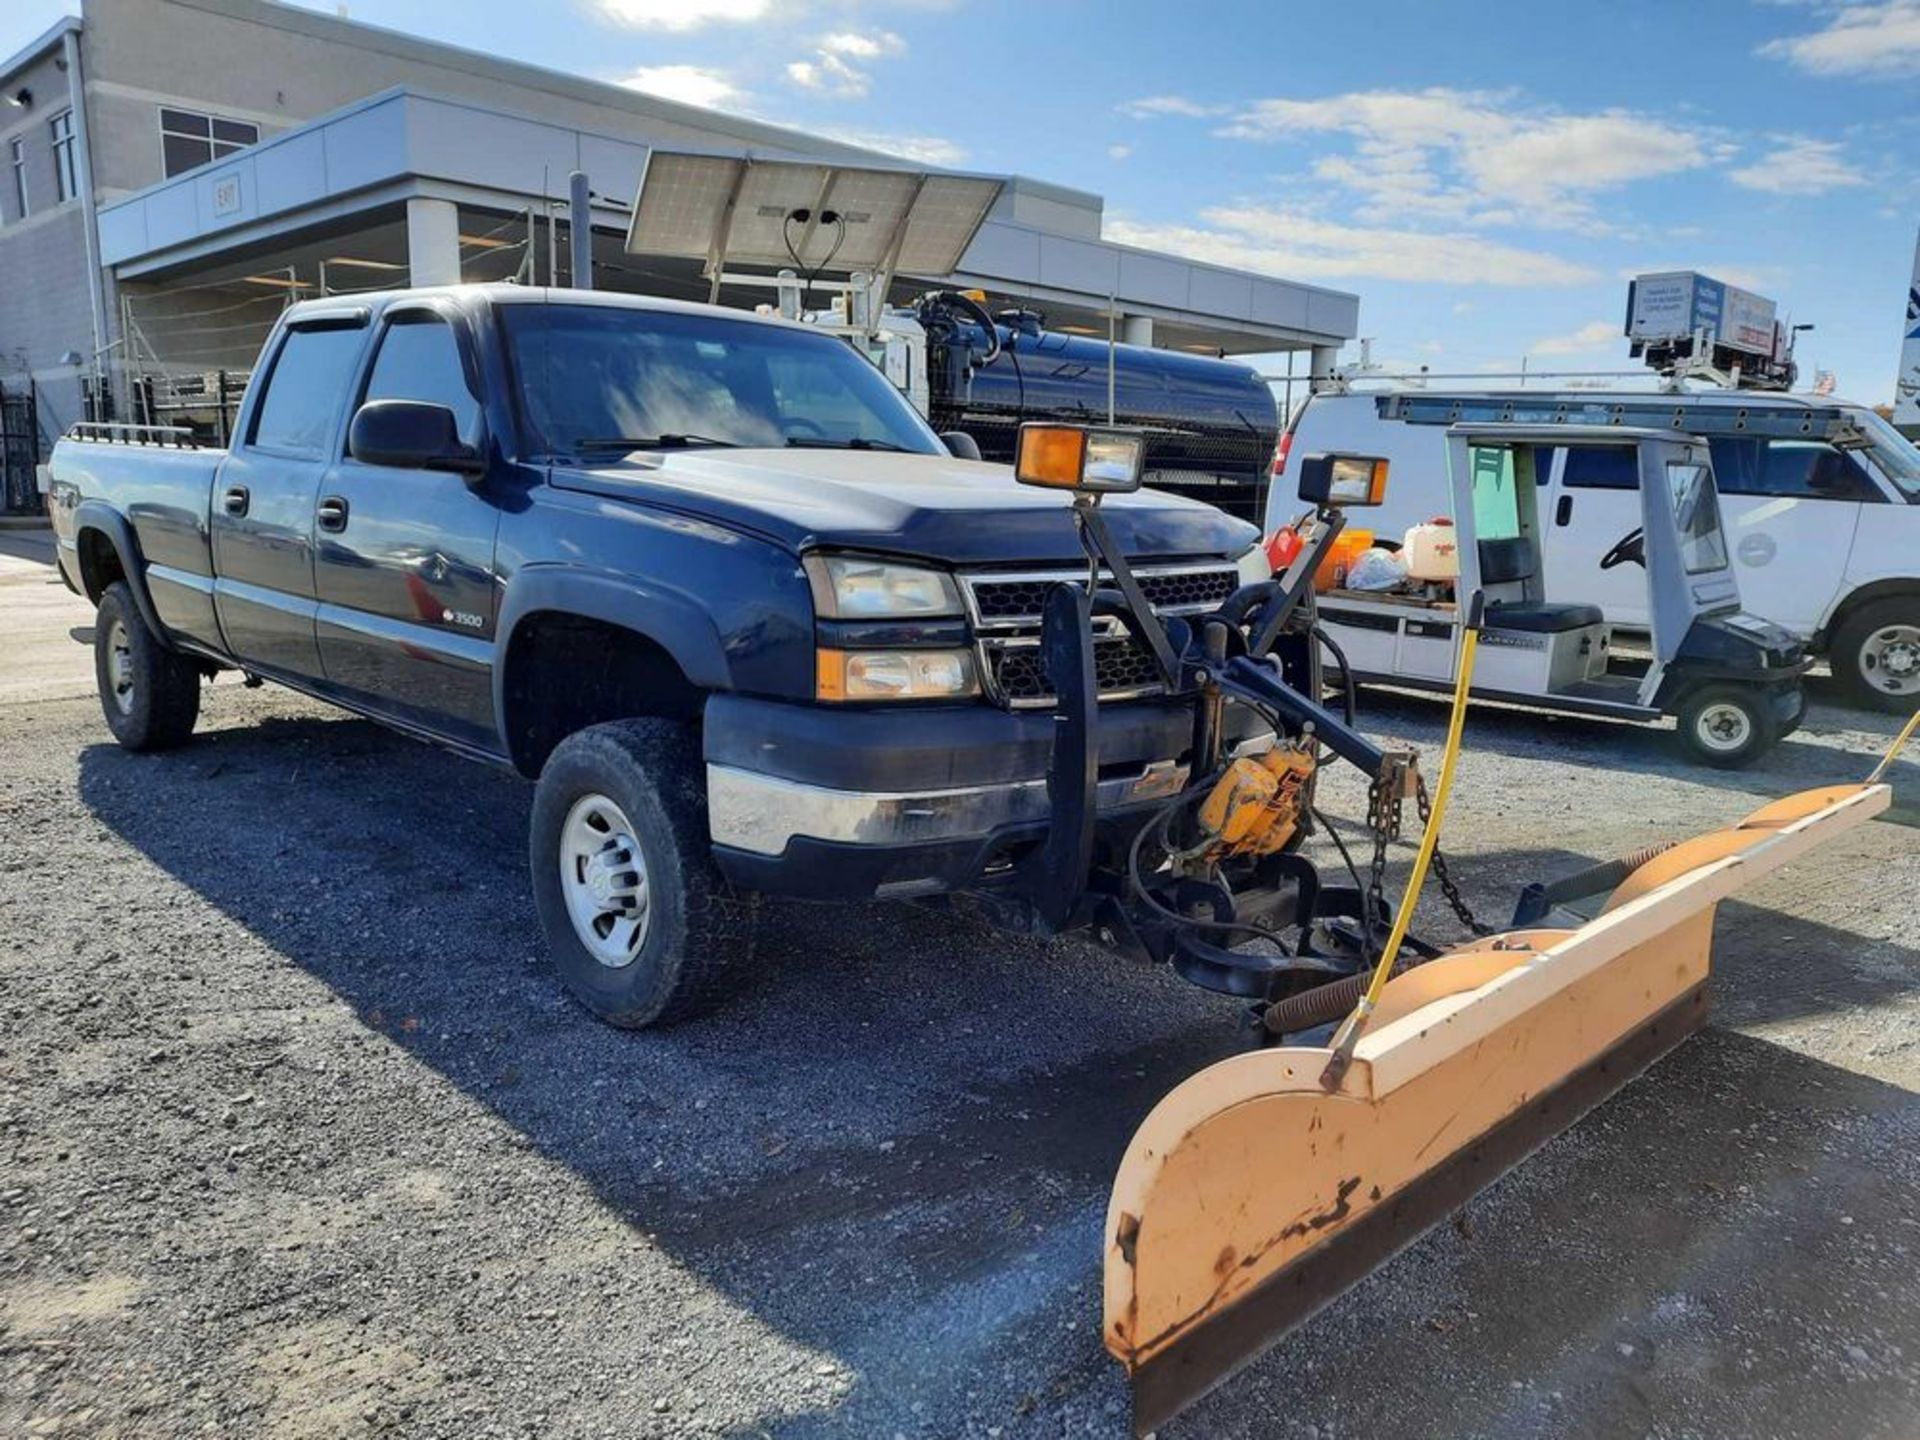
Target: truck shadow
[894,1148]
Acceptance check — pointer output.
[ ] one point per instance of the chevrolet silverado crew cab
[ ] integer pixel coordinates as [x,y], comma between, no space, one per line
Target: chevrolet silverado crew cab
[704,575]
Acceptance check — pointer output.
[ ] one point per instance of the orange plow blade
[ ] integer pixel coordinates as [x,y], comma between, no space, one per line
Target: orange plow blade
[1251,1196]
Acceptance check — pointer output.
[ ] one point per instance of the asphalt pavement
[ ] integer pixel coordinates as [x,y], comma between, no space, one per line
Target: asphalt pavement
[298,1137]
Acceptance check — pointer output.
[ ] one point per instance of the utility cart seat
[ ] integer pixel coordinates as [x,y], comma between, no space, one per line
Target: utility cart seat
[1542,619]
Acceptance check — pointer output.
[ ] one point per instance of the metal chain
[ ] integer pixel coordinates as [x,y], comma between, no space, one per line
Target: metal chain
[1447,888]
[1383,819]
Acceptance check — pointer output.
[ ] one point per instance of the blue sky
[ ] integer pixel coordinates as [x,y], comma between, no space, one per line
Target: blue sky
[1483,175]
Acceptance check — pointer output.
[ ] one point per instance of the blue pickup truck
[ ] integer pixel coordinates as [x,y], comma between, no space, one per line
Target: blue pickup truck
[705,576]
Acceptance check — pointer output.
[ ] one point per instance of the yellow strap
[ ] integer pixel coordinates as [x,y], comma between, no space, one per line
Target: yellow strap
[1349,1032]
[1893,750]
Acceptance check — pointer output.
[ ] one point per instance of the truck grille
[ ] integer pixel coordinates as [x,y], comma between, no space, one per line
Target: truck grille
[1006,611]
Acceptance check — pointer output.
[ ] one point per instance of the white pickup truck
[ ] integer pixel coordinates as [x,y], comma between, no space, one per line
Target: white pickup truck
[1826,540]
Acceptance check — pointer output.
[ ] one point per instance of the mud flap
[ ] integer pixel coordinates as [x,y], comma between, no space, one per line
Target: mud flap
[1251,1197]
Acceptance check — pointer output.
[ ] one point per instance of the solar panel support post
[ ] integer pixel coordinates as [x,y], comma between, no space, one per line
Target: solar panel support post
[580,229]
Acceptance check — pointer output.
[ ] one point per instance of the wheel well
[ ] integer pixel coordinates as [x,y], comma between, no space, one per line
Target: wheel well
[99,563]
[1865,595]
[565,672]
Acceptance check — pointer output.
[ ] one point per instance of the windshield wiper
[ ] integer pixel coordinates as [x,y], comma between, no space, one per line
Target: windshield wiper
[808,442]
[654,442]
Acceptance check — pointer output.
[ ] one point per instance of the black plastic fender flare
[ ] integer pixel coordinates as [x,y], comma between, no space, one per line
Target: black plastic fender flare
[677,625]
[98,515]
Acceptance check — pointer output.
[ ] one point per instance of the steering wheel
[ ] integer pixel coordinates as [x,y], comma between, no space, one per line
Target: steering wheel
[800,422]
[978,313]
[1630,547]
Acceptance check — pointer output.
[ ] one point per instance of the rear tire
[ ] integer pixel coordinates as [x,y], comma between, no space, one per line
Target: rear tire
[640,923]
[1875,655]
[1727,726]
[150,695]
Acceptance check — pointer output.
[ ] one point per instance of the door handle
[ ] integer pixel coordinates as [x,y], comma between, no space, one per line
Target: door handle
[1563,512]
[332,513]
[234,502]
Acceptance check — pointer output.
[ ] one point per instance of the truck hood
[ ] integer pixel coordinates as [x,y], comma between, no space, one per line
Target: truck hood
[961,512]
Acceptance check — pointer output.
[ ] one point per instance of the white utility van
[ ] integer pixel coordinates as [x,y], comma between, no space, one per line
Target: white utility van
[1826,540]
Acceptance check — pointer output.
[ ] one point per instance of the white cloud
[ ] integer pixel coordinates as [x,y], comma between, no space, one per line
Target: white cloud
[1747,277]
[1154,106]
[1592,336]
[1799,167]
[680,14]
[1877,41]
[1119,152]
[689,84]
[921,149]
[1476,157]
[1298,245]
[836,69]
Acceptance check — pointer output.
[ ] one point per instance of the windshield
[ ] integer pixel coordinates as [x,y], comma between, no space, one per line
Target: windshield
[1696,517]
[1896,456]
[610,379]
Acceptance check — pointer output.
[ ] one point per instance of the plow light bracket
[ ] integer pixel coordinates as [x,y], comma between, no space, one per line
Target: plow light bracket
[1343,480]
[1085,460]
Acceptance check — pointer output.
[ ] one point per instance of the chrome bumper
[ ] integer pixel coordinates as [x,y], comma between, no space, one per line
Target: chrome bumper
[762,813]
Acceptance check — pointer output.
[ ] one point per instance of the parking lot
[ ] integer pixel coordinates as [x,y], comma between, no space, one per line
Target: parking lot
[299,1138]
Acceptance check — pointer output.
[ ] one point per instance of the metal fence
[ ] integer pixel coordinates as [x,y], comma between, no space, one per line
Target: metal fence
[19,450]
[204,402]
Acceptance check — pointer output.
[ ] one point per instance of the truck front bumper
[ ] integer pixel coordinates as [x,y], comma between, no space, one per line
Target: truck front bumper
[862,804]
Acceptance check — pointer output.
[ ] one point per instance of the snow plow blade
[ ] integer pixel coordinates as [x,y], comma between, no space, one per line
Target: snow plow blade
[1251,1196]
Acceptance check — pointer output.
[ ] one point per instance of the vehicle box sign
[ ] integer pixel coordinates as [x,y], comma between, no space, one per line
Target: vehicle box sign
[1674,304]
[1746,321]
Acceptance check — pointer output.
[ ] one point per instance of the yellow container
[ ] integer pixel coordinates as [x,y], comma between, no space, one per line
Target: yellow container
[1347,547]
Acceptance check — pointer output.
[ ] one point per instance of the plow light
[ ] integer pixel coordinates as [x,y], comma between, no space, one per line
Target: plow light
[1343,480]
[1074,457]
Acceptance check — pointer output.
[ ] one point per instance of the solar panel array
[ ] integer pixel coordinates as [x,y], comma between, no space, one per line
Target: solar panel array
[682,207]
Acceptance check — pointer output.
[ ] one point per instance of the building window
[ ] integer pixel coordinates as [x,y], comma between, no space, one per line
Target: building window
[17,151]
[66,178]
[188,139]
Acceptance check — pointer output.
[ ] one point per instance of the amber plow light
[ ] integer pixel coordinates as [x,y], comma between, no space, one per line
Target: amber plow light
[1252,1196]
[1080,458]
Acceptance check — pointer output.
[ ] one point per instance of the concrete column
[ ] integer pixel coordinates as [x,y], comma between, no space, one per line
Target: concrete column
[1136,329]
[433,241]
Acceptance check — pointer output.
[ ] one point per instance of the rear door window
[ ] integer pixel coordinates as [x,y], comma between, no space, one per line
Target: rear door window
[1601,467]
[306,390]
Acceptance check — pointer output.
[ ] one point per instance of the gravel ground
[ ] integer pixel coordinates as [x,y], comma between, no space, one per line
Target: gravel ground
[298,1137]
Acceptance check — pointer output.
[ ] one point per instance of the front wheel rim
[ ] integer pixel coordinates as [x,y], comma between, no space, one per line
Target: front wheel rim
[603,876]
[120,667]
[1723,728]
[1890,660]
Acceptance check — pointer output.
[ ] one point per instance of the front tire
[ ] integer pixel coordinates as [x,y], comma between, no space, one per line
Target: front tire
[1727,726]
[1875,655]
[640,923]
[150,695]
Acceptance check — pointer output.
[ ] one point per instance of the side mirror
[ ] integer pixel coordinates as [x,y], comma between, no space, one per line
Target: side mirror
[411,435]
[1079,458]
[960,444]
[1343,480]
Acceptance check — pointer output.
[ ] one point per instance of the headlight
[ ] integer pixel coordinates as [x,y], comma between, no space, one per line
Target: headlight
[848,587]
[894,675]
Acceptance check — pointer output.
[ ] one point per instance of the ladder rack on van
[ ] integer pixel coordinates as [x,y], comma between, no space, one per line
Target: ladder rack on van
[1654,412]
